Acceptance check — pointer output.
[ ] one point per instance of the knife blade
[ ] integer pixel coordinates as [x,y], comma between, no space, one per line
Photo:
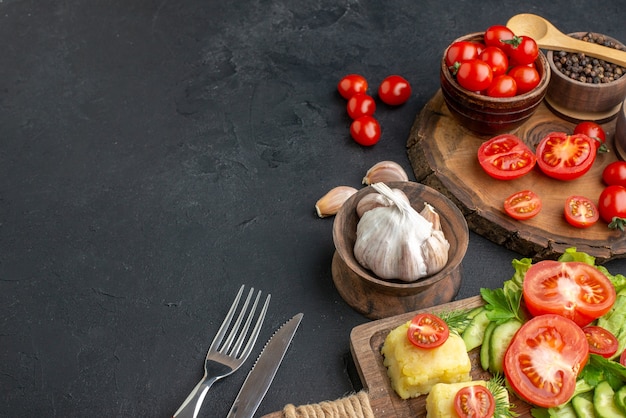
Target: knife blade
[260,377]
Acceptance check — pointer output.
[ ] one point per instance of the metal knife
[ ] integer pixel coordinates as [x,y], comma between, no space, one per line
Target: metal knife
[260,377]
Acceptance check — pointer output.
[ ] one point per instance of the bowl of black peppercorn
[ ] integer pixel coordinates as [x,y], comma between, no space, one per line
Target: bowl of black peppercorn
[583,87]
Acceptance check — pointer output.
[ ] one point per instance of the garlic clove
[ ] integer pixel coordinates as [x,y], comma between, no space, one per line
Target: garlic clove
[331,202]
[431,215]
[435,252]
[385,171]
[376,200]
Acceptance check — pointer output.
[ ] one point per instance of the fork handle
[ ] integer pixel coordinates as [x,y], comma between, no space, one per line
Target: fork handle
[191,406]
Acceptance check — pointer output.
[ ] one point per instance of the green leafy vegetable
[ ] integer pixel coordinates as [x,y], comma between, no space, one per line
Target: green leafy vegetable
[504,303]
[457,320]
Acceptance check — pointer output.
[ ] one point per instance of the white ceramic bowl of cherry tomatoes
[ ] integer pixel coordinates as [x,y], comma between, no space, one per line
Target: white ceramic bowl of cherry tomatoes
[493,81]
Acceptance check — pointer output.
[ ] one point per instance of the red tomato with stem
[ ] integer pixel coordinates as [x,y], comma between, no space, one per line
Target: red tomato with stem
[352,84]
[565,157]
[615,174]
[497,35]
[360,104]
[523,50]
[460,51]
[474,75]
[580,212]
[574,290]
[502,86]
[365,130]
[544,359]
[474,402]
[594,131]
[522,205]
[497,60]
[612,206]
[506,157]
[526,78]
[427,331]
[601,341]
[394,90]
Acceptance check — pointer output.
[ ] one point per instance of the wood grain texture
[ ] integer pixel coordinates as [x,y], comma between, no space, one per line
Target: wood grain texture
[443,156]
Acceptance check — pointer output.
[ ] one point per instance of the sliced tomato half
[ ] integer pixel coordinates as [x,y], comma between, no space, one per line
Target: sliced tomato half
[506,157]
[574,290]
[565,157]
[427,331]
[601,341]
[522,205]
[581,212]
[544,359]
[474,402]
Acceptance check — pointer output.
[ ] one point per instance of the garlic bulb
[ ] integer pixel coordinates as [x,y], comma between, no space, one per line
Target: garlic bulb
[396,242]
[385,171]
[375,200]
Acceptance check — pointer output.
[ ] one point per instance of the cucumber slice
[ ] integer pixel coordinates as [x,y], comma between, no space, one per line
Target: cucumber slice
[484,349]
[498,343]
[564,411]
[583,405]
[475,332]
[620,399]
[471,314]
[603,402]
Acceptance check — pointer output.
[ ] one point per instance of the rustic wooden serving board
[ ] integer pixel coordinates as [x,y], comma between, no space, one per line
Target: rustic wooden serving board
[366,342]
[443,155]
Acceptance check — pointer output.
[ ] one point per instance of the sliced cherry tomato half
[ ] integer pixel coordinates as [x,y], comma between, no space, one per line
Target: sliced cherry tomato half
[565,157]
[352,84]
[506,157]
[612,206]
[581,212]
[593,131]
[428,331]
[544,359]
[365,130]
[601,341]
[574,290]
[474,402]
[394,90]
[615,174]
[360,104]
[522,205]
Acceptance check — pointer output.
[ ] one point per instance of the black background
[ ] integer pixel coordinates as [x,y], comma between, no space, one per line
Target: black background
[155,155]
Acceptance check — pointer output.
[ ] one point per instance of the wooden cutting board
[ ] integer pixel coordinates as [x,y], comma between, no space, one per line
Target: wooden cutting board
[443,155]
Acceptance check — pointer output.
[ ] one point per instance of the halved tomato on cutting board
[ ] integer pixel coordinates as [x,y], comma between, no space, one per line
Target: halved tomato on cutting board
[506,157]
[565,157]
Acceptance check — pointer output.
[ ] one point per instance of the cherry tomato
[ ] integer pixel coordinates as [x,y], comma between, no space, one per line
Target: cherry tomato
[505,157]
[474,75]
[365,130]
[565,157]
[496,34]
[594,131]
[622,358]
[502,86]
[394,90]
[474,402]
[573,289]
[544,359]
[427,331]
[615,174]
[462,51]
[522,205]
[497,60]
[527,78]
[352,84]
[360,104]
[601,341]
[581,212]
[523,50]
[612,206]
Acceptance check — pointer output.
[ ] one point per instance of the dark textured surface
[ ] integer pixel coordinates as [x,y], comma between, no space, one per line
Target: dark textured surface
[155,155]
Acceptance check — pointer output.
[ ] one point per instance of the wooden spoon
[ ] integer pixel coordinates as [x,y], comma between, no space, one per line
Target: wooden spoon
[549,37]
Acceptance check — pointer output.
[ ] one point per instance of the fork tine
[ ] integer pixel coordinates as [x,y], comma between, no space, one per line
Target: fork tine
[224,327]
[235,329]
[255,331]
[234,351]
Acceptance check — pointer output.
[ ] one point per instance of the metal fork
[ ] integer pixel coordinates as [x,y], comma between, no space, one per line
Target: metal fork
[226,356]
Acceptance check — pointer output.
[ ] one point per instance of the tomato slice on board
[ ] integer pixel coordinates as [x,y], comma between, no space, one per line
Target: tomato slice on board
[565,157]
[427,331]
[522,205]
[581,212]
[544,358]
[574,290]
[474,401]
[506,157]
[601,341]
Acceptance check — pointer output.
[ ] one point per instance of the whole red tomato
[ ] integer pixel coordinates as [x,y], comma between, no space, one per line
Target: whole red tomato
[526,77]
[394,90]
[502,86]
[615,173]
[612,206]
[595,131]
[496,58]
[360,104]
[365,130]
[474,75]
[352,84]
[498,35]
[523,50]
[462,51]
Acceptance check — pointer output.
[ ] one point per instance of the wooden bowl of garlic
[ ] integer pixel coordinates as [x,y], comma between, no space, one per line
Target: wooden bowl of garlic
[398,248]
